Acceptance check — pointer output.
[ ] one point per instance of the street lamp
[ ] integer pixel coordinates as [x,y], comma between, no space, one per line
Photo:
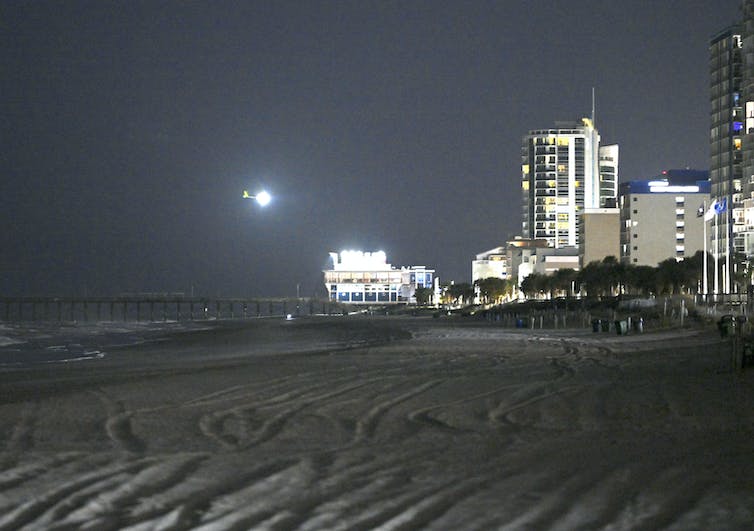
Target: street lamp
[262,198]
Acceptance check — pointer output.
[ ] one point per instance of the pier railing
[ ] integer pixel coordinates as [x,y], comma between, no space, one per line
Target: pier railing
[157,308]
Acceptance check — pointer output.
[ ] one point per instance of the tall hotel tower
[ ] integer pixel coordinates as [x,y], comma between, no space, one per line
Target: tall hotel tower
[726,129]
[565,171]
[747,93]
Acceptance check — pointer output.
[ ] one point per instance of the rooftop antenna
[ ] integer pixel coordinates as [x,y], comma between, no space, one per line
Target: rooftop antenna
[593,123]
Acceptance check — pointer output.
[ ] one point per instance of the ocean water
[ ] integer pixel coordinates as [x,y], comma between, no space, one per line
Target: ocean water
[34,343]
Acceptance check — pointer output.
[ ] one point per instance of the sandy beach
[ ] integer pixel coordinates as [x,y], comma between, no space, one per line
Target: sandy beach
[382,423]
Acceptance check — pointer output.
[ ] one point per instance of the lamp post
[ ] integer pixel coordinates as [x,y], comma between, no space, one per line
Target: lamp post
[262,198]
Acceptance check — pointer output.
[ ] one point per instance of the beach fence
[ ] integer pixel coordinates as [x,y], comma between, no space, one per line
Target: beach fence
[157,308]
[738,333]
[604,320]
[538,319]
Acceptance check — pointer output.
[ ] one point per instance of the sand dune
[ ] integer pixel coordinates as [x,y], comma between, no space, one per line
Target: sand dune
[382,423]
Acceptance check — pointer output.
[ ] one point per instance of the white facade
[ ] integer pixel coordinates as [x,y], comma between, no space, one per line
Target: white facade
[367,278]
[490,264]
[564,170]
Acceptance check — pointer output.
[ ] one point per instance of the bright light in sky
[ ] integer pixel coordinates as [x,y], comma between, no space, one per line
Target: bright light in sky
[262,198]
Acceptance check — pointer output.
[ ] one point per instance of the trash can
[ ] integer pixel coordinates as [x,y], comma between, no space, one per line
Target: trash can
[621,327]
[520,323]
[605,325]
[596,324]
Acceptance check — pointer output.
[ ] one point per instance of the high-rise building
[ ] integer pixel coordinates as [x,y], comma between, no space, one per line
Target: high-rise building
[726,156]
[663,217]
[565,170]
[747,137]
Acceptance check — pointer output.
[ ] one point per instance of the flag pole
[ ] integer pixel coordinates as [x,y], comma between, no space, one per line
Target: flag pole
[704,258]
[716,230]
[729,243]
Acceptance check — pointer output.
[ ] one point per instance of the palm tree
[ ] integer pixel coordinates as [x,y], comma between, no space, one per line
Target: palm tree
[641,280]
[563,280]
[423,296]
[593,279]
[536,284]
[462,293]
[493,289]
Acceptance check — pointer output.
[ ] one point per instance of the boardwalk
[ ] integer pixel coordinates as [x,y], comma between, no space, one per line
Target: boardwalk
[156,308]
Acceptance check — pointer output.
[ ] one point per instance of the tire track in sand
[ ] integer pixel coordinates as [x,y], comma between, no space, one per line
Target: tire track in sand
[219,425]
[366,425]
[118,425]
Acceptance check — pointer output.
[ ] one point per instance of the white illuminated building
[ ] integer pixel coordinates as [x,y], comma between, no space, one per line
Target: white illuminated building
[564,171]
[367,278]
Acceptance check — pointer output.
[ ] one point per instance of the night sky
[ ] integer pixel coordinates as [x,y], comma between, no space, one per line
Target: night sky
[130,130]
